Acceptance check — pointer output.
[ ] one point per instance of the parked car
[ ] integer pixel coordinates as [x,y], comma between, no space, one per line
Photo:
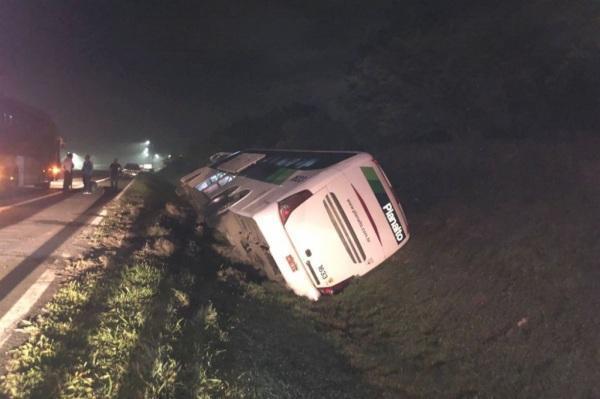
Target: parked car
[147,168]
[312,220]
[131,169]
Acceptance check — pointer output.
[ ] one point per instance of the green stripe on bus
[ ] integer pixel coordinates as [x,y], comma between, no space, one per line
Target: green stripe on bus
[373,180]
[280,175]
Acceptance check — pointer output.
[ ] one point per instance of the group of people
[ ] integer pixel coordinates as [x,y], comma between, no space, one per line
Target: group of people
[86,171]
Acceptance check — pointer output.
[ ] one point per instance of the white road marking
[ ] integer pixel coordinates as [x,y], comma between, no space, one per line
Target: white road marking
[104,211]
[118,197]
[99,218]
[21,308]
[58,184]
[29,201]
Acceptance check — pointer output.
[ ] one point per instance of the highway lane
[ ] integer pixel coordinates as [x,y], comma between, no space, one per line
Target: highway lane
[38,234]
[11,197]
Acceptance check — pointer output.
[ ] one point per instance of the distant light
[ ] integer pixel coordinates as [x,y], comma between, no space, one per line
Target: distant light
[147,142]
[170,155]
[77,160]
[156,156]
[146,153]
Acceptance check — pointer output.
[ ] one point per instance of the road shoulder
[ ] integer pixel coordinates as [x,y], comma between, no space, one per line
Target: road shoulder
[48,276]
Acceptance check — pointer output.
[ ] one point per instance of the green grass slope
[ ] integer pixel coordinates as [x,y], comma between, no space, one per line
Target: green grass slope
[153,312]
[496,295]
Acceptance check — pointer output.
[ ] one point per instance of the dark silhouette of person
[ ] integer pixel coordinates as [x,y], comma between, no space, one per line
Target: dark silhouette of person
[86,171]
[115,171]
[67,169]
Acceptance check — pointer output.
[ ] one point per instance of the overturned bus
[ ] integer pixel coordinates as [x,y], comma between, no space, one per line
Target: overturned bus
[310,219]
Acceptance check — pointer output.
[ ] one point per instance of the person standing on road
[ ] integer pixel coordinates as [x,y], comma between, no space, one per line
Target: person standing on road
[115,171]
[86,171]
[67,169]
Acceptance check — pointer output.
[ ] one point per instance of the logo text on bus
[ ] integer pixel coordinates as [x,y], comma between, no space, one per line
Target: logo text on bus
[392,218]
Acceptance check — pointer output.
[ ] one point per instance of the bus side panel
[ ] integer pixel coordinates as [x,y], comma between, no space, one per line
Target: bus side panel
[32,172]
[8,172]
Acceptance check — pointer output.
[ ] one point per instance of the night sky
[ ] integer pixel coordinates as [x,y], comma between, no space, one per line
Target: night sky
[119,72]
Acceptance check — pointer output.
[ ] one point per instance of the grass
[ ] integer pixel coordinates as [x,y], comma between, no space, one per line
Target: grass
[495,296]
[139,321]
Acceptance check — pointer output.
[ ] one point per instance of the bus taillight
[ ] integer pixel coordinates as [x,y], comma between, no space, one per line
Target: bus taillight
[335,288]
[287,206]
[53,170]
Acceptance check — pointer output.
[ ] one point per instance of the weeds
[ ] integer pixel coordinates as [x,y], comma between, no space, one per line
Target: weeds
[167,318]
[35,366]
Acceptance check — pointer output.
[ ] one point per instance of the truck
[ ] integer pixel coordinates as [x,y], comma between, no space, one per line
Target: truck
[29,146]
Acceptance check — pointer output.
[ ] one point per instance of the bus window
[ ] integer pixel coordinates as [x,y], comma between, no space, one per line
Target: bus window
[218,179]
[279,163]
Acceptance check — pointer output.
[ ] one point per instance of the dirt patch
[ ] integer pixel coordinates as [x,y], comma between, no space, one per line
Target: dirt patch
[163,247]
[175,211]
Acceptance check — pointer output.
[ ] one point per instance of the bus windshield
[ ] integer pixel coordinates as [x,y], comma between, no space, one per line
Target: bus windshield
[277,166]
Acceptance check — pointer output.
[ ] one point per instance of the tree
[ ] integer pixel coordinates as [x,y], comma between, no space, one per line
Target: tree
[461,70]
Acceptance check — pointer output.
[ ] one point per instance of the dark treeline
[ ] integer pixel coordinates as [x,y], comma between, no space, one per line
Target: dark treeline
[443,71]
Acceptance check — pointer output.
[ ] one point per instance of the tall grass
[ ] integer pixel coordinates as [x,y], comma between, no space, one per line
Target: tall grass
[142,322]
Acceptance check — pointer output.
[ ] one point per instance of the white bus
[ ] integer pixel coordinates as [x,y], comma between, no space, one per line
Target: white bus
[311,219]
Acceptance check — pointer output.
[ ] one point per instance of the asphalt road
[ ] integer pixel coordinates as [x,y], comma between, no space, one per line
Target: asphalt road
[24,194]
[38,231]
